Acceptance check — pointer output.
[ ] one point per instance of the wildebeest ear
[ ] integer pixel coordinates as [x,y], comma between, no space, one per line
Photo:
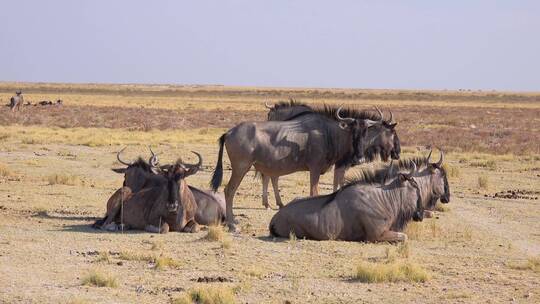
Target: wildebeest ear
[392,125]
[119,170]
[191,171]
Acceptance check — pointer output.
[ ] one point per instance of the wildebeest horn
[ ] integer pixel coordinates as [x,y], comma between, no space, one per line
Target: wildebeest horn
[380,113]
[439,163]
[391,117]
[346,119]
[388,171]
[268,106]
[429,155]
[121,161]
[413,170]
[199,164]
[154,161]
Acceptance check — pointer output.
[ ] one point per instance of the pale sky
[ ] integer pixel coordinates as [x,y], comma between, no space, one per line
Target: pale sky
[352,44]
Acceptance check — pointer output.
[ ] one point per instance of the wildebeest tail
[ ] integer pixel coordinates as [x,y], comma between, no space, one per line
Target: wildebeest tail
[217,177]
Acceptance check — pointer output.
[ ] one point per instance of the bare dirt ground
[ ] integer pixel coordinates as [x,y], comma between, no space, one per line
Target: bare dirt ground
[470,250]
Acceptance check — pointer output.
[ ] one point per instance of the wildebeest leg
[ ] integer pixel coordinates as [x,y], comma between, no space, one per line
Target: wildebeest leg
[191,227]
[276,191]
[314,176]
[238,173]
[339,174]
[265,181]
[428,213]
[154,229]
[392,236]
[114,204]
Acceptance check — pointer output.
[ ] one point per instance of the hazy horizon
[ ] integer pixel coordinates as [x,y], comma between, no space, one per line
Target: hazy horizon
[477,45]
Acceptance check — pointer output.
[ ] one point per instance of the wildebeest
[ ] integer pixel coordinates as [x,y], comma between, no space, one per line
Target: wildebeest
[141,174]
[283,111]
[368,209]
[311,141]
[432,180]
[16,101]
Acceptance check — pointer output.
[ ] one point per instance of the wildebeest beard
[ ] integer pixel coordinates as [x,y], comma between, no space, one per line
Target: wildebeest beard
[372,152]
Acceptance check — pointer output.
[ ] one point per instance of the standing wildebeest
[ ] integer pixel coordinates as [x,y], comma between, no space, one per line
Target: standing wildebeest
[283,111]
[140,174]
[311,141]
[16,101]
[370,209]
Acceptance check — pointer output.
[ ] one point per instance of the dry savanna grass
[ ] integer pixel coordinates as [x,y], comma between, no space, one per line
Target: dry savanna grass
[532,263]
[207,295]
[462,255]
[98,278]
[63,179]
[5,171]
[397,271]
[483,181]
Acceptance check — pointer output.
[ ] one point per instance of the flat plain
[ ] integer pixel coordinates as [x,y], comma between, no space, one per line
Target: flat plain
[55,179]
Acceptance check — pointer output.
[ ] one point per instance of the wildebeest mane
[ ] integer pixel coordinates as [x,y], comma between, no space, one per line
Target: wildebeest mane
[329,111]
[141,163]
[289,104]
[371,176]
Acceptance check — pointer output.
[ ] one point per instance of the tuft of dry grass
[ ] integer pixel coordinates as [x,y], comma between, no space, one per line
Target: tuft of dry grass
[207,295]
[163,262]
[483,181]
[532,263]
[215,233]
[489,164]
[133,256]
[103,256]
[99,279]
[452,171]
[442,207]
[5,171]
[396,271]
[63,179]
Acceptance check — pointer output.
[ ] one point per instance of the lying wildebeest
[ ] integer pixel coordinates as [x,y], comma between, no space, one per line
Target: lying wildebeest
[140,174]
[141,209]
[16,101]
[372,208]
[311,141]
[283,111]
[45,103]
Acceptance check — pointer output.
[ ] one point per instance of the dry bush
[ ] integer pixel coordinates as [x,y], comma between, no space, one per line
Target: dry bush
[532,263]
[396,271]
[133,256]
[207,295]
[483,181]
[5,171]
[63,179]
[99,279]
[489,164]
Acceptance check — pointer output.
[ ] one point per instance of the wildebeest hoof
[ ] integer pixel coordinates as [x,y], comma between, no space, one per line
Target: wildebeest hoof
[233,228]
[402,237]
[418,216]
[428,214]
[110,227]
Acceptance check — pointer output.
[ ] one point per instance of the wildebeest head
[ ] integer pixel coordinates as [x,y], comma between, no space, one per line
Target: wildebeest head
[383,140]
[18,92]
[175,173]
[360,130]
[286,110]
[137,173]
[439,179]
